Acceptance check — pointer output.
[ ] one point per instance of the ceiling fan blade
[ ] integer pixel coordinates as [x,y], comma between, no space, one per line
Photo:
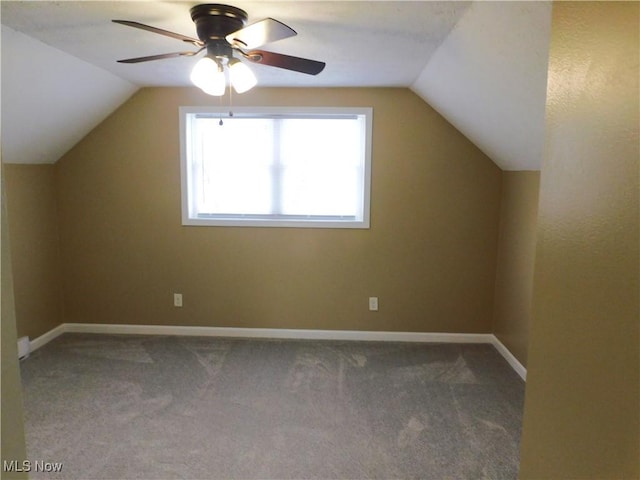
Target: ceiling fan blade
[160,31]
[159,57]
[297,64]
[259,33]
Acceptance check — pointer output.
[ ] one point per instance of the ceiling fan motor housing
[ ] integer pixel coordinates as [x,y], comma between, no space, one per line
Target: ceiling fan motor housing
[215,21]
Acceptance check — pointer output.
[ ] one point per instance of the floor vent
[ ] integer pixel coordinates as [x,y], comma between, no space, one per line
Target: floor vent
[24,347]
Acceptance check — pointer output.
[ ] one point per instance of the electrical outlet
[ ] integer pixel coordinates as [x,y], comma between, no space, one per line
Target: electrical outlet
[177,299]
[373,304]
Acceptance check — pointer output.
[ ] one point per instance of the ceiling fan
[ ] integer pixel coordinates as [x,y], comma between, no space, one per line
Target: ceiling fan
[222,30]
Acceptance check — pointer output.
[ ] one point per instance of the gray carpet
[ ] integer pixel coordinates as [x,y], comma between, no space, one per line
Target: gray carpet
[159,407]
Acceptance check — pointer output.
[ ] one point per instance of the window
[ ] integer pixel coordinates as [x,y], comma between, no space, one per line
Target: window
[281,167]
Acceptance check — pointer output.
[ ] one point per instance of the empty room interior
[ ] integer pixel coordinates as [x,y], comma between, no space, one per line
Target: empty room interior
[404,244]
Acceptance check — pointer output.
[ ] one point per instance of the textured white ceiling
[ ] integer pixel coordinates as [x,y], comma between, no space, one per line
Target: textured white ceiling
[44,114]
[363,43]
[476,63]
[489,79]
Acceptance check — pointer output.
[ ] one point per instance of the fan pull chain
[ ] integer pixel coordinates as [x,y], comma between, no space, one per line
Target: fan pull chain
[230,105]
[220,102]
[230,100]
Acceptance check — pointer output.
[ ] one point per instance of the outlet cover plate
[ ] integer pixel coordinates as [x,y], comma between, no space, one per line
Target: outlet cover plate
[373,304]
[177,299]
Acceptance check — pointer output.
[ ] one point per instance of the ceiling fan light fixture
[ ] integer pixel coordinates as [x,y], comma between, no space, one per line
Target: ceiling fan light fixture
[242,78]
[208,75]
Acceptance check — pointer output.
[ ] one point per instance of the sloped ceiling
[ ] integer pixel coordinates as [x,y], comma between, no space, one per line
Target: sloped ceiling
[489,78]
[482,65]
[50,99]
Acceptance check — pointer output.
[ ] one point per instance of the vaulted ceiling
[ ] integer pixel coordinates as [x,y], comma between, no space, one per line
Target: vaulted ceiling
[482,65]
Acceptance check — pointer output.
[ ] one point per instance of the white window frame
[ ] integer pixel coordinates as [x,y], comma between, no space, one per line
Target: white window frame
[190,217]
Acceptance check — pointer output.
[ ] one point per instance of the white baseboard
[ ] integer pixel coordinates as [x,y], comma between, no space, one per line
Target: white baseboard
[280,333]
[419,337]
[508,356]
[47,337]
[24,347]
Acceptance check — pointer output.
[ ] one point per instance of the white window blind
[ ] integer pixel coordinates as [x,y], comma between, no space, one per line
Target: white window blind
[276,167]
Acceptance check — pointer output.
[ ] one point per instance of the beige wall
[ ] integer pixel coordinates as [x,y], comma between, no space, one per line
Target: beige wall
[12,434]
[33,227]
[516,253]
[429,256]
[581,415]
